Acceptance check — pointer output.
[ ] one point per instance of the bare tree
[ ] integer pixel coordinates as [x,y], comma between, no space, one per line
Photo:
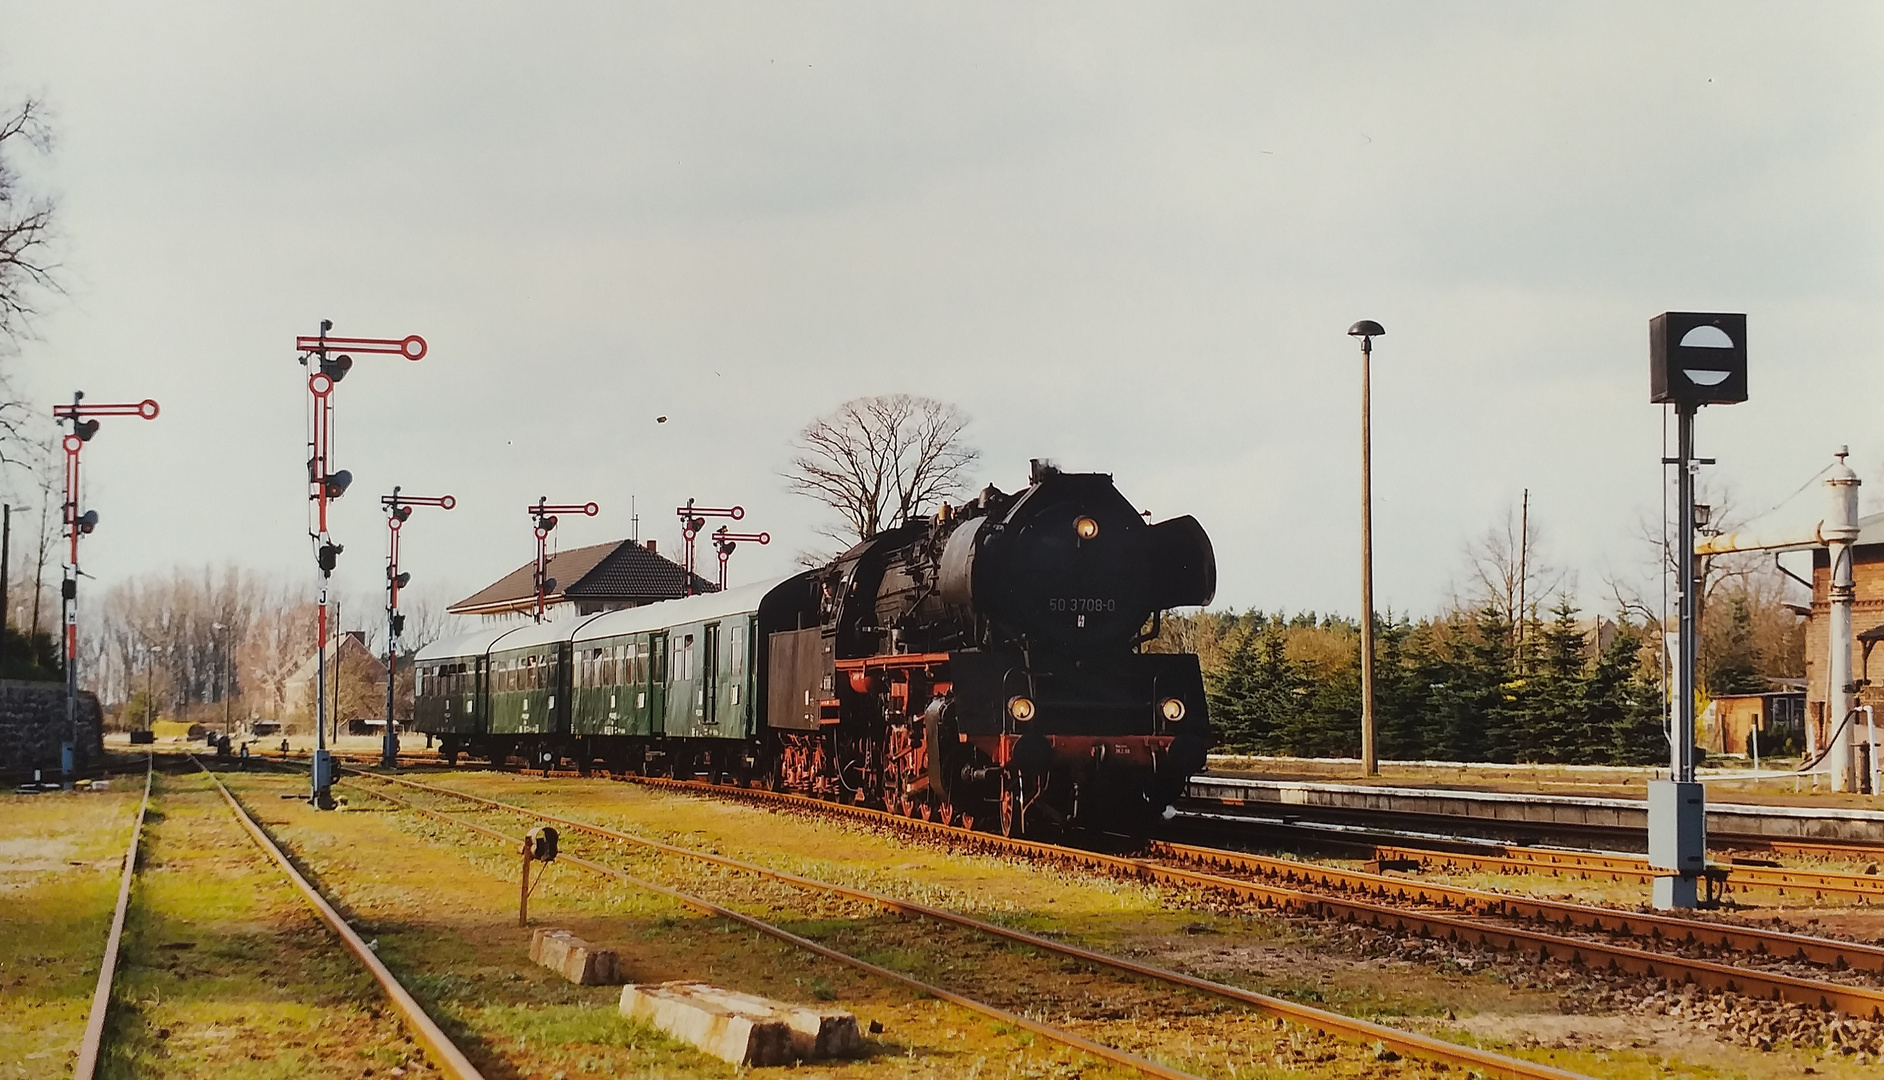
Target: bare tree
[1507,570]
[878,461]
[280,640]
[26,222]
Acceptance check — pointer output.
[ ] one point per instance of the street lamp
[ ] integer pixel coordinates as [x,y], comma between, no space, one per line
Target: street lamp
[222,687]
[1367,330]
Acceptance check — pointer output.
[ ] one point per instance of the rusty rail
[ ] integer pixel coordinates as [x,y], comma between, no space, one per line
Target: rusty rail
[1048,1031]
[1404,1042]
[1828,952]
[93,1041]
[1599,866]
[1854,1000]
[438,1046]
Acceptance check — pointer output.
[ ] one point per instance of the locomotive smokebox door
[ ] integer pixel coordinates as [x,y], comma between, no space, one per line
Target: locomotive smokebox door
[1698,358]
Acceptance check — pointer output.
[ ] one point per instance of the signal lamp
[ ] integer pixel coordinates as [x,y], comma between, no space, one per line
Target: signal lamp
[398,625]
[88,521]
[1021,708]
[549,585]
[402,512]
[328,557]
[85,429]
[399,579]
[336,368]
[546,523]
[337,483]
[1086,527]
[1172,708]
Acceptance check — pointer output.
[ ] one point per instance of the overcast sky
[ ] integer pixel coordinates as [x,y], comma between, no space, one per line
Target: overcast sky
[1127,237]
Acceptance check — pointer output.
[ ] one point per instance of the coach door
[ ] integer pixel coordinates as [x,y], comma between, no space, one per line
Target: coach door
[657,684]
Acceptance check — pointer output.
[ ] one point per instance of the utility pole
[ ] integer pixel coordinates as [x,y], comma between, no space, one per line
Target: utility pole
[1524,551]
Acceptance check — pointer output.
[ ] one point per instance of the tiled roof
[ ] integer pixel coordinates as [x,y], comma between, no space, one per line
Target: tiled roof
[618,570]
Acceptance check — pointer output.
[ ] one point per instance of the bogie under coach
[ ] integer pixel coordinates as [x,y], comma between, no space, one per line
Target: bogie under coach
[983,665]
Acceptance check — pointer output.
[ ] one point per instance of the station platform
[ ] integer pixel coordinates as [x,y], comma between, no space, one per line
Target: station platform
[1518,813]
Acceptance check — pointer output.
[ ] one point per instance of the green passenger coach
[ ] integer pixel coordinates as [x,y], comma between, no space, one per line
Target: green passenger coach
[654,688]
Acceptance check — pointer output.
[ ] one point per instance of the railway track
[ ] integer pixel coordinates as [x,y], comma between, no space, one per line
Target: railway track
[1384,903]
[1354,825]
[1456,853]
[1343,1027]
[93,1040]
[440,1051]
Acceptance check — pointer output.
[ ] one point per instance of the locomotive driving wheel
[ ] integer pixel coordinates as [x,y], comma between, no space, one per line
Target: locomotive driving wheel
[1011,825]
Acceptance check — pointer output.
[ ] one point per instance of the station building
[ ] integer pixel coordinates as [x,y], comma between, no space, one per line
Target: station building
[597,578]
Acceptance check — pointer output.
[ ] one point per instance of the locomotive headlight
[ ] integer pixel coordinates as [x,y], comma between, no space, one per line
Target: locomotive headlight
[1086,527]
[1020,708]
[1172,708]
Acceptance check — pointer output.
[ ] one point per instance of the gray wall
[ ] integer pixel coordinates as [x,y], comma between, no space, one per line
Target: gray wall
[32,728]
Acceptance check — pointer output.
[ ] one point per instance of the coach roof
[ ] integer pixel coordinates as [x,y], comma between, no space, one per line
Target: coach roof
[695,609]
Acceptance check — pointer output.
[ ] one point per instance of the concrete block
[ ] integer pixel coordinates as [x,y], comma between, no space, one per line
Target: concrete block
[574,959]
[743,1029]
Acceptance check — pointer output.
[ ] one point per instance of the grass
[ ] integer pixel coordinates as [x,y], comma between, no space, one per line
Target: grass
[225,971]
[59,869]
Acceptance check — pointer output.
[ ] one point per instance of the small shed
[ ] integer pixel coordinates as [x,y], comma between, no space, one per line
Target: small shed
[1779,717]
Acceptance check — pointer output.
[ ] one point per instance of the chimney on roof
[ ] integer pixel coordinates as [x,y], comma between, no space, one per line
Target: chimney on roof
[651,549]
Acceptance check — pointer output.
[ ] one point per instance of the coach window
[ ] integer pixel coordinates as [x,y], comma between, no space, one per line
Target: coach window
[710,671]
[657,664]
[736,650]
[683,659]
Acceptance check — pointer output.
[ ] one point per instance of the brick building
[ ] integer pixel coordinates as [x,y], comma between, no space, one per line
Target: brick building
[1867,613]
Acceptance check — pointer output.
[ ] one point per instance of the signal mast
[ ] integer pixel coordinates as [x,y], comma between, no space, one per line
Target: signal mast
[327,366]
[398,509]
[84,421]
[543,515]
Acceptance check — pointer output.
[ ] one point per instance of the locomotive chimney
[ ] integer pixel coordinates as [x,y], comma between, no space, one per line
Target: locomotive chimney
[1039,469]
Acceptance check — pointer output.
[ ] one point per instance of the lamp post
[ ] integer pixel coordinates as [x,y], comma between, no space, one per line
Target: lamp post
[1367,330]
[327,365]
[398,509]
[222,675]
[83,419]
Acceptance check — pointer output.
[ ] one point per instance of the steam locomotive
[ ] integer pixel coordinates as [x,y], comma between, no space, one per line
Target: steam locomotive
[981,666]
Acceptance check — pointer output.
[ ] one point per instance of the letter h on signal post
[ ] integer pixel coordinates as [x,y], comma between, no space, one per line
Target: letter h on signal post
[328,365]
[84,421]
[543,515]
[398,509]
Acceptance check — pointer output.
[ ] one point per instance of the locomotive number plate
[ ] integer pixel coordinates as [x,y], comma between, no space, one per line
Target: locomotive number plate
[1082,604]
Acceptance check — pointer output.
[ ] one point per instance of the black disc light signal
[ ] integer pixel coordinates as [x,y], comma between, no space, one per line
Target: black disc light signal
[1698,358]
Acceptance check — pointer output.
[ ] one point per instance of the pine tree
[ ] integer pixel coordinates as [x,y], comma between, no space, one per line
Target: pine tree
[1559,701]
[1735,667]
[1626,703]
